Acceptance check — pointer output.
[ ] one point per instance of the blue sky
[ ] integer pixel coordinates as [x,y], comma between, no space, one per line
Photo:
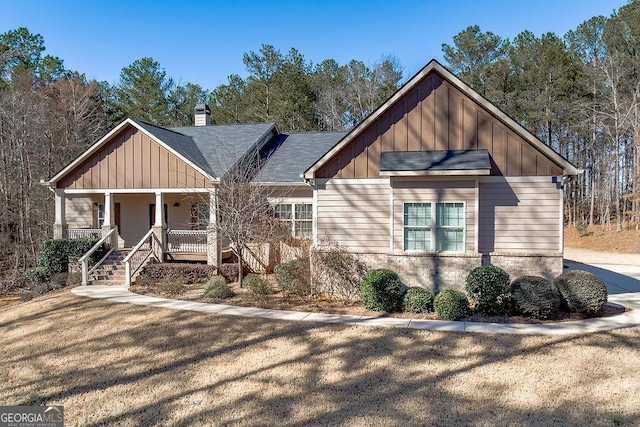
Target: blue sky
[203,41]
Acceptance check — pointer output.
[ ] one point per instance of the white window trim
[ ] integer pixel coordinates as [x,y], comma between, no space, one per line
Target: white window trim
[434,227]
[293,220]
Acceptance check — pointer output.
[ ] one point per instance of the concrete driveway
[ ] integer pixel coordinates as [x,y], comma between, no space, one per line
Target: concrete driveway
[620,279]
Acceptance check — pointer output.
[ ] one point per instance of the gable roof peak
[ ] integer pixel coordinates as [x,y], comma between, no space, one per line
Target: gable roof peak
[434,66]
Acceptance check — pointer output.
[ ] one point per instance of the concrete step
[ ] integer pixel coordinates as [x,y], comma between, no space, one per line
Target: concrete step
[107,282]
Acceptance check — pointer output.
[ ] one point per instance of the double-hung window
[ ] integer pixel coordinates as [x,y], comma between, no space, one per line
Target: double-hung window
[434,227]
[297,216]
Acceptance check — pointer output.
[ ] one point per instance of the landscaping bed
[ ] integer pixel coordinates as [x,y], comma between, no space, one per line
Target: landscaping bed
[278,301]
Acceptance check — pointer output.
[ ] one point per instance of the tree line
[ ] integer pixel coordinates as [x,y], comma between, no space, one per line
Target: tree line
[580,94]
[50,114]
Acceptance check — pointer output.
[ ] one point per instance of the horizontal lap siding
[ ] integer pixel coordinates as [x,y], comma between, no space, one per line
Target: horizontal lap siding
[519,217]
[79,211]
[355,215]
[134,216]
[434,192]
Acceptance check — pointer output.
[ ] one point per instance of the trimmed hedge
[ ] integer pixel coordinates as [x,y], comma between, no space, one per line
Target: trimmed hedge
[294,277]
[381,290]
[188,273]
[217,287]
[535,296]
[418,300]
[56,254]
[581,291]
[452,304]
[488,287]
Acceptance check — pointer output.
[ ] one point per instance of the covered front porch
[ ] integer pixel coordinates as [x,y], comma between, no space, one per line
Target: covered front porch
[181,221]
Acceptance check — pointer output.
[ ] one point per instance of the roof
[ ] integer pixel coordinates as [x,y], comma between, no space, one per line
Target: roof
[433,65]
[221,146]
[181,143]
[462,162]
[211,150]
[289,155]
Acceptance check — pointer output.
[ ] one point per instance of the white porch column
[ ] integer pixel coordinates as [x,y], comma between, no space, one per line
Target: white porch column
[60,222]
[214,251]
[108,210]
[159,210]
[159,228]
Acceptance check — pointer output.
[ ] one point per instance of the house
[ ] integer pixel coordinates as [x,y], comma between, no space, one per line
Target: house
[433,183]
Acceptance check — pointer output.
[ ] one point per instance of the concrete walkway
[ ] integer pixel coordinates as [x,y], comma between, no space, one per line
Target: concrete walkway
[622,281]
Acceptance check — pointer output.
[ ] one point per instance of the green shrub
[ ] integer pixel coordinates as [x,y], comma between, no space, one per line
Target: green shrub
[37,275]
[488,288]
[581,291]
[535,296]
[56,254]
[451,304]
[417,300]
[381,290]
[294,277]
[257,285]
[190,273]
[172,286]
[217,288]
[76,248]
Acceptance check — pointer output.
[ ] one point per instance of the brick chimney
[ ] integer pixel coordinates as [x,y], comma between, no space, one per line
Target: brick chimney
[202,115]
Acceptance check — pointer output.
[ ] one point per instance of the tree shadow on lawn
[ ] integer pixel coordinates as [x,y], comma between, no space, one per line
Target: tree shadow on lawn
[124,364]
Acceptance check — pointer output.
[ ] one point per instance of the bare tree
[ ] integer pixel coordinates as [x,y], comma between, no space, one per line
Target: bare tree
[245,215]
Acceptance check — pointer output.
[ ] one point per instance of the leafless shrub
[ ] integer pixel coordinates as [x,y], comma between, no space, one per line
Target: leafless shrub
[337,272]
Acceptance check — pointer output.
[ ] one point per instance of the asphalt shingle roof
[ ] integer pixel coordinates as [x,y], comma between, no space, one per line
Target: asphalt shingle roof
[289,155]
[439,160]
[213,148]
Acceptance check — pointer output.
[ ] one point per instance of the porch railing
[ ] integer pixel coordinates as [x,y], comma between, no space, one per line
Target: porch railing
[110,242]
[82,233]
[139,254]
[182,241]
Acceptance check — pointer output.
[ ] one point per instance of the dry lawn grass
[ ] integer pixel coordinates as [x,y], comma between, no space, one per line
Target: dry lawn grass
[121,364]
[599,240]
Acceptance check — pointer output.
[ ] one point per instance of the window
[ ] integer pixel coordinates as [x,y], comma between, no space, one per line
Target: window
[417,226]
[421,234]
[100,214]
[298,216]
[450,227]
[199,216]
[304,220]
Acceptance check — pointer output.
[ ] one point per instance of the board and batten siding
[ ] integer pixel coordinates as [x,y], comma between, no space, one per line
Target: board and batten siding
[131,159]
[435,115]
[354,214]
[427,191]
[519,215]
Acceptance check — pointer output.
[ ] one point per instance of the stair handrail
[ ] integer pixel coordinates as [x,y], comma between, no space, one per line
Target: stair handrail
[84,259]
[127,261]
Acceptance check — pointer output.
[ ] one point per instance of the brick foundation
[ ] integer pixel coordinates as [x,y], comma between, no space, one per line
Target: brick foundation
[432,271]
[517,265]
[448,271]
